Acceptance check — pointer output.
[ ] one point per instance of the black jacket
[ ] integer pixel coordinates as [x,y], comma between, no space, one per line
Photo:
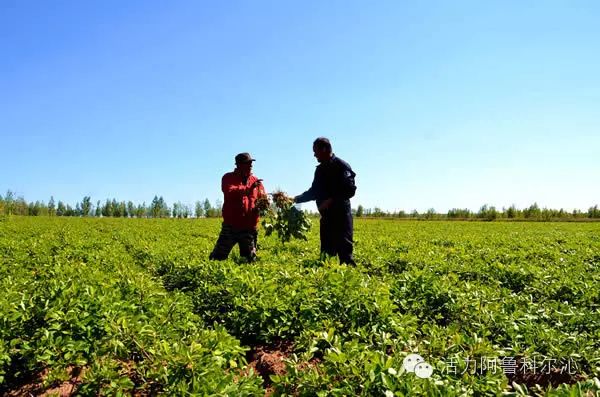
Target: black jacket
[333,179]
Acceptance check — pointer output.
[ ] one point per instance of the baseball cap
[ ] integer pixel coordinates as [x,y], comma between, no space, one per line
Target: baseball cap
[243,158]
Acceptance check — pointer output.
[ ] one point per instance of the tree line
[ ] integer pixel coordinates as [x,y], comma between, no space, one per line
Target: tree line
[488,213]
[10,204]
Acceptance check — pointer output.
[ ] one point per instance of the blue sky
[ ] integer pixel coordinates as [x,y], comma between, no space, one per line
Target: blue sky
[434,104]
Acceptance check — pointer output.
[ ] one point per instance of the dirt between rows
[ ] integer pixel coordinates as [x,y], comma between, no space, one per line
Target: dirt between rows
[265,360]
[34,386]
[555,377]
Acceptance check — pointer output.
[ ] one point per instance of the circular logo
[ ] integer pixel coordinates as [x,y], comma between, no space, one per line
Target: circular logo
[411,361]
[423,370]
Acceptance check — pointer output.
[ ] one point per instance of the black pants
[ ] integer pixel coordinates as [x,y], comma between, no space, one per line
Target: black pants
[336,234]
[229,237]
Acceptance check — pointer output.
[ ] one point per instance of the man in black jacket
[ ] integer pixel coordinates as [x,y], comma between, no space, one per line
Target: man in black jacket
[332,188]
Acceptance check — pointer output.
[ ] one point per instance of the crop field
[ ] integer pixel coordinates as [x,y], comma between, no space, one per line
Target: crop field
[134,307]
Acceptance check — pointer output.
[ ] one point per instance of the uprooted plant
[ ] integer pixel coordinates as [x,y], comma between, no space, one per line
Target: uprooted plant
[283,217]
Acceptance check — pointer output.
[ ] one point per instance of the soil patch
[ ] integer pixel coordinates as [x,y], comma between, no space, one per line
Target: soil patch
[554,377]
[268,360]
[34,386]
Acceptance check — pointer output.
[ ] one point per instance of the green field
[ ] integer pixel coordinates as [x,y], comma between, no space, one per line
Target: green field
[133,306]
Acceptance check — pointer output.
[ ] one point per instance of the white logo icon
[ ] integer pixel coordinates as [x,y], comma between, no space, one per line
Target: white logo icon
[423,370]
[415,363]
[411,361]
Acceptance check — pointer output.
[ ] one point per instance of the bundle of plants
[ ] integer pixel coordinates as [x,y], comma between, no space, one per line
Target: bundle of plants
[283,217]
[263,205]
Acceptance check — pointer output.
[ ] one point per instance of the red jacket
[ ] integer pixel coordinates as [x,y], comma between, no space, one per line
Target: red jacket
[239,201]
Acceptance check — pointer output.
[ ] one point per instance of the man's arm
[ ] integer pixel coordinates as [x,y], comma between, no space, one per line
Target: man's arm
[261,188]
[261,193]
[233,190]
[347,184]
[310,194]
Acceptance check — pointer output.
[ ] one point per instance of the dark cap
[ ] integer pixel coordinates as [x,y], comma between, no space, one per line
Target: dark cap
[243,158]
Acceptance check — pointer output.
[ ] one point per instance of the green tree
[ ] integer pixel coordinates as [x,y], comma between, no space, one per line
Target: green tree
[533,212]
[199,210]
[86,206]
[360,211]
[511,212]
[378,212]
[123,208]
[9,202]
[164,208]
[107,209]
[141,210]
[117,209]
[459,213]
[207,209]
[33,209]
[69,211]
[51,207]
[43,208]
[61,210]
[130,209]
[430,214]
[21,206]
[218,208]
[487,213]
[158,207]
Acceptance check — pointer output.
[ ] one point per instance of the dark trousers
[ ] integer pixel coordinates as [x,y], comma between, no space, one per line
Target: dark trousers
[336,235]
[229,237]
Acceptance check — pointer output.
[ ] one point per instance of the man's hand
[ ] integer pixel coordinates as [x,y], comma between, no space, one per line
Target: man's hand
[325,204]
[256,184]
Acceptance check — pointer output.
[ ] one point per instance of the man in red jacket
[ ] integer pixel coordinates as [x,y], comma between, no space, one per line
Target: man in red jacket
[241,189]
